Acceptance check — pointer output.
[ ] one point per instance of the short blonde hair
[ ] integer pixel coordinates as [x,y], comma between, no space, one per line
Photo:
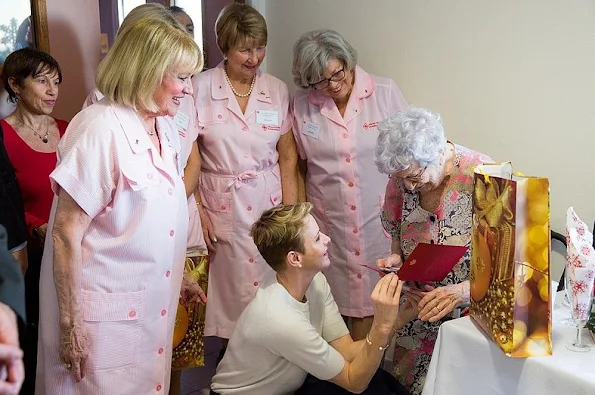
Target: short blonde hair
[153,11]
[134,68]
[240,24]
[279,231]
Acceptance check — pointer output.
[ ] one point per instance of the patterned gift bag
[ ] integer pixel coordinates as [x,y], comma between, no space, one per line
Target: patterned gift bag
[510,260]
[188,344]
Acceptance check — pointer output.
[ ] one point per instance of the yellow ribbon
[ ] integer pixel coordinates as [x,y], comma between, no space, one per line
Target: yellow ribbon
[492,204]
[198,270]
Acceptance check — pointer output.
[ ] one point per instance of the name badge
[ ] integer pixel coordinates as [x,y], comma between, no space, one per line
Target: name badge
[311,129]
[267,117]
[182,120]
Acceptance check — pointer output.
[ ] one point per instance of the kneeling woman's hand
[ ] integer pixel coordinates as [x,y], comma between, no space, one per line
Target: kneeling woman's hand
[385,299]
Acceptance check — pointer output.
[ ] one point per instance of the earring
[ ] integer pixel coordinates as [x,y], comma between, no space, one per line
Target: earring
[224,57]
[299,265]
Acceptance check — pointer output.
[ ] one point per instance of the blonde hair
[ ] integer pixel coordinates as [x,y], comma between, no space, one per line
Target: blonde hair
[279,231]
[134,68]
[240,24]
[153,11]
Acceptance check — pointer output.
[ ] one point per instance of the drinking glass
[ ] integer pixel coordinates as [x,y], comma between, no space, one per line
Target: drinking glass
[566,303]
[579,312]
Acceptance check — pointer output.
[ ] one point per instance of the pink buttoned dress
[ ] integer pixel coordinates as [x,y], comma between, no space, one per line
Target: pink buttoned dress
[343,183]
[132,254]
[239,180]
[186,122]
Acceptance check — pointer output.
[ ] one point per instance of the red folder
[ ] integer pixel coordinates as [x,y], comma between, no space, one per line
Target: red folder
[431,262]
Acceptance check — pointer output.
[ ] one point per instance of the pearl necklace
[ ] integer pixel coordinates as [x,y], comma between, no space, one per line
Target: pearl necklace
[234,89]
[45,138]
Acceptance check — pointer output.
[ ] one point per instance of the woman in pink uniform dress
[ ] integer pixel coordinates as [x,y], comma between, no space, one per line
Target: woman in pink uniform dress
[185,118]
[112,270]
[249,161]
[335,128]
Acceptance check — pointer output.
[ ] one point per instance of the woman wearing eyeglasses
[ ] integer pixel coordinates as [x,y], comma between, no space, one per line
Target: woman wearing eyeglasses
[428,200]
[335,128]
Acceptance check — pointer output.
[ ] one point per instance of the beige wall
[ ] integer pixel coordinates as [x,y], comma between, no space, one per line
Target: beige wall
[513,79]
[74,42]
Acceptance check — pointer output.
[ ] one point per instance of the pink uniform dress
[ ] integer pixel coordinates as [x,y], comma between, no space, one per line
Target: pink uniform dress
[239,180]
[343,183]
[132,255]
[186,122]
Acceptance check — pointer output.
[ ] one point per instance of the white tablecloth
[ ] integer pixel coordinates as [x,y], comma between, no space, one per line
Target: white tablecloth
[466,362]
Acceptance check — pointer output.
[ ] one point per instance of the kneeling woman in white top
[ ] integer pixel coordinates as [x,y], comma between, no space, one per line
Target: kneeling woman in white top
[293,327]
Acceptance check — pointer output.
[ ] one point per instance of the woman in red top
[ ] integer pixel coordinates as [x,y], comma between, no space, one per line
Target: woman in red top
[31,135]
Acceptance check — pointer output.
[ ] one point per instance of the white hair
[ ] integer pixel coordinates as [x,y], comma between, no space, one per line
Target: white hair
[314,50]
[414,136]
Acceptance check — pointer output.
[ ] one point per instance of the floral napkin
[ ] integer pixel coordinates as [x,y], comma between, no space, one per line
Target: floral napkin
[580,265]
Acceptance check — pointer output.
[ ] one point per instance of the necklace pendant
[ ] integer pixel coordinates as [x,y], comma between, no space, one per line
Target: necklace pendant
[45,140]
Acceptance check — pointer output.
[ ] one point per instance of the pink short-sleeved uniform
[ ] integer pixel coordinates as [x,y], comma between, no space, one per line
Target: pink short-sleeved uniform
[186,123]
[343,183]
[239,180]
[132,254]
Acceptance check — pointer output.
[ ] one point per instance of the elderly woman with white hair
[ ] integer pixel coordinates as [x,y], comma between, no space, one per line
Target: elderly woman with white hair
[335,128]
[428,200]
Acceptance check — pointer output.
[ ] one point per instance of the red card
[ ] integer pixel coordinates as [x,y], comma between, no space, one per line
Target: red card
[431,262]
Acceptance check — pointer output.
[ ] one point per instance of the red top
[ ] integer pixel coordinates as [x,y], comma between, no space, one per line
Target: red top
[32,169]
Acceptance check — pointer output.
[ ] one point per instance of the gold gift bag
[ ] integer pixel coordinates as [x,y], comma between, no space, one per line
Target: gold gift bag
[510,260]
[188,344]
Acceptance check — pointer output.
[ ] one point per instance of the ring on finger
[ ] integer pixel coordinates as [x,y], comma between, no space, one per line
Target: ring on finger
[67,365]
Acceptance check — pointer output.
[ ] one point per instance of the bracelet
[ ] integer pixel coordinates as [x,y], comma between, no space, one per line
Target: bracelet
[380,348]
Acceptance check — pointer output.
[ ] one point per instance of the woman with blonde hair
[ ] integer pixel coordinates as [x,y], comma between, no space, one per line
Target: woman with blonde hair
[185,117]
[112,270]
[152,11]
[293,328]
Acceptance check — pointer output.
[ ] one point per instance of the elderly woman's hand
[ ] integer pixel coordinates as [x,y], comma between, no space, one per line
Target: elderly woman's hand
[191,292]
[409,310]
[74,349]
[438,302]
[393,260]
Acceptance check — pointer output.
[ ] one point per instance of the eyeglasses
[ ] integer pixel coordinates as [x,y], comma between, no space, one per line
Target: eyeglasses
[417,177]
[323,84]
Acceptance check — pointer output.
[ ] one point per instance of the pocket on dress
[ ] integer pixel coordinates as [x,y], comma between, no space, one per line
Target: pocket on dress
[219,207]
[114,325]
[320,214]
[140,174]
[211,115]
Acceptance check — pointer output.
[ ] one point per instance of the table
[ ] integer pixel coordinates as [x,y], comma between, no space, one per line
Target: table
[466,362]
